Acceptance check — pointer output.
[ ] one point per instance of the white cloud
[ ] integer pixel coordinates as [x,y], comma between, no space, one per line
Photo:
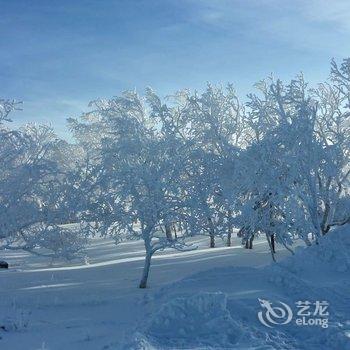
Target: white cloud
[309,25]
[336,12]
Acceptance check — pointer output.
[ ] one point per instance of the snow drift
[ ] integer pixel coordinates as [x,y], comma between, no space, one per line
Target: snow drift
[217,309]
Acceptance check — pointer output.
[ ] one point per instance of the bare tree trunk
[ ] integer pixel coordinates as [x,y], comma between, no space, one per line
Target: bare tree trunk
[149,251]
[230,230]
[175,231]
[273,244]
[270,245]
[145,273]
[251,239]
[168,233]
[212,241]
[324,223]
[249,242]
[229,235]
[211,233]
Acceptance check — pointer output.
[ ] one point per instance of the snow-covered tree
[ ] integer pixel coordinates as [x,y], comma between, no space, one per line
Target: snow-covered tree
[333,130]
[279,169]
[295,172]
[210,127]
[28,191]
[136,181]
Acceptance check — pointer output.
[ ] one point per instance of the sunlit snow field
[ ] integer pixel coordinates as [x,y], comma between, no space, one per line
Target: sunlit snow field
[88,306]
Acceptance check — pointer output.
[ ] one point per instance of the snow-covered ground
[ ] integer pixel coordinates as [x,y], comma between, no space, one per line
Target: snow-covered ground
[202,299]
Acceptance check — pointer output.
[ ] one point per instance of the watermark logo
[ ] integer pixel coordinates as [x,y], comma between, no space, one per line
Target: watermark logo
[307,314]
[274,315]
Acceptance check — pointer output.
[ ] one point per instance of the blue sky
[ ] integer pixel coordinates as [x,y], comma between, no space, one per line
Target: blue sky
[56,56]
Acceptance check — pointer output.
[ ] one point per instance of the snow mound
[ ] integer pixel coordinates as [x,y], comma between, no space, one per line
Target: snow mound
[331,254]
[204,315]
[204,321]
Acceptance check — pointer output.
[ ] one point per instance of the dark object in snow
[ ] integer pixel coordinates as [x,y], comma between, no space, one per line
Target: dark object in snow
[4,264]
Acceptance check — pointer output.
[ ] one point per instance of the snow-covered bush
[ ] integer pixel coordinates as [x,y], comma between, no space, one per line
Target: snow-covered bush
[56,241]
